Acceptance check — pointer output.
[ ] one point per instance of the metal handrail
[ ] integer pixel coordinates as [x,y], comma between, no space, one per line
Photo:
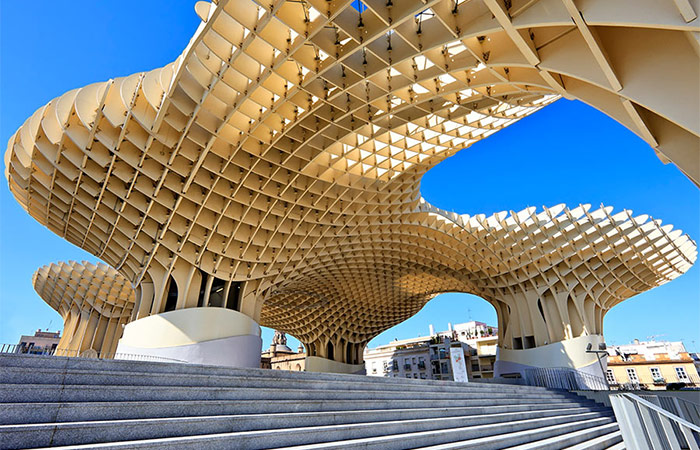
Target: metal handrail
[16,349]
[681,407]
[647,426]
[564,378]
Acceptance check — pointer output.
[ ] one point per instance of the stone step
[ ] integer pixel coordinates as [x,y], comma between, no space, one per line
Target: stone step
[74,433]
[115,365]
[32,413]
[54,376]
[10,393]
[600,443]
[385,435]
[532,439]
[91,403]
[580,439]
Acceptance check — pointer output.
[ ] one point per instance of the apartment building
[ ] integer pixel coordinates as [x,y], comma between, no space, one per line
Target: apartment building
[428,357]
[653,365]
[41,343]
[408,358]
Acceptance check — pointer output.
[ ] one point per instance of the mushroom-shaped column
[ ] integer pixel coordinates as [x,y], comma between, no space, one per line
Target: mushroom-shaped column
[564,270]
[185,314]
[94,300]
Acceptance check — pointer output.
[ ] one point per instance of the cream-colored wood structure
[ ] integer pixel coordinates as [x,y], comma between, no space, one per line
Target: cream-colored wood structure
[94,300]
[274,168]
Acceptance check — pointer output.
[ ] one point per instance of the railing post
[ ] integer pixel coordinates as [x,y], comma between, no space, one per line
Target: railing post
[646,425]
[630,423]
[689,438]
[679,409]
[668,431]
[653,430]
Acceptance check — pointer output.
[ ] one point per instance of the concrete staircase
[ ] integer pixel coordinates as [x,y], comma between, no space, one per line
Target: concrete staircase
[63,402]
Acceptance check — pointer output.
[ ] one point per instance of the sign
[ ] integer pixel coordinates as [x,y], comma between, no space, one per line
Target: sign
[459,366]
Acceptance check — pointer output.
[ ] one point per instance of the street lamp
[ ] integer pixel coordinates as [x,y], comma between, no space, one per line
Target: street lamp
[602,350]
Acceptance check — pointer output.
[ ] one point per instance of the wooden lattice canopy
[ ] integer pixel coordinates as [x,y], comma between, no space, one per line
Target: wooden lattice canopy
[283,150]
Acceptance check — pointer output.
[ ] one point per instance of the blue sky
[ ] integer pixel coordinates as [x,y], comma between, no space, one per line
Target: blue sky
[566,153]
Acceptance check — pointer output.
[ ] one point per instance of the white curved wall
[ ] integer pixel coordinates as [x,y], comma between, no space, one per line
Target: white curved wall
[570,353]
[216,336]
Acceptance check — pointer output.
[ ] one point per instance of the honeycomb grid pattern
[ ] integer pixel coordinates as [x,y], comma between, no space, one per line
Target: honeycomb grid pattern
[94,300]
[285,146]
[576,263]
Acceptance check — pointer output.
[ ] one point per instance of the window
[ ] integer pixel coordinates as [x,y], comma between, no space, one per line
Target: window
[517,343]
[408,375]
[682,375]
[202,289]
[407,364]
[415,375]
[529,342]
[656,374]
[610,376]
[216,294]
[395,365]
[422,376]
[632,374]
[234,295]
[444,368]
[171,299]
[443,354]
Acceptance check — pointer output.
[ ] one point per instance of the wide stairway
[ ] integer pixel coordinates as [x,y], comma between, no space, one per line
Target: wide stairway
[63,402]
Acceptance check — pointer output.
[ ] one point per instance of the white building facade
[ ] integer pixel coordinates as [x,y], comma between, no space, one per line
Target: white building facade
[428,357]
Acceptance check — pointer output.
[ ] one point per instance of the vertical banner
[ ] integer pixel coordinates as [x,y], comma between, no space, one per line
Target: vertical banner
[459,366]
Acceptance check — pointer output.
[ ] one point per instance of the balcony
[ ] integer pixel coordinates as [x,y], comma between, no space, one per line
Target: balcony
[406,367]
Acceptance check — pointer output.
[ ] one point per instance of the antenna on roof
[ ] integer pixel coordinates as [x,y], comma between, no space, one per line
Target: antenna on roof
[654,336]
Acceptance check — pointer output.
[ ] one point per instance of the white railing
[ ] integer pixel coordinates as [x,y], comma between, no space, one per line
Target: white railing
[682,408]
[564,378]
[16,349]
[646,425]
